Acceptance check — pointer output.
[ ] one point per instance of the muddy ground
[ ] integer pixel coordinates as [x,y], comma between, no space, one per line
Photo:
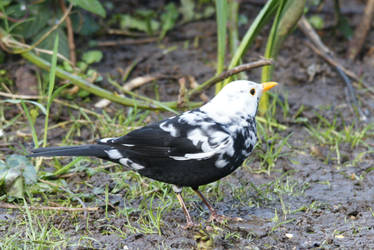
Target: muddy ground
[313,197]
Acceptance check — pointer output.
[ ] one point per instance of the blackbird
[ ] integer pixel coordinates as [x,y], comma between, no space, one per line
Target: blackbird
[195,148]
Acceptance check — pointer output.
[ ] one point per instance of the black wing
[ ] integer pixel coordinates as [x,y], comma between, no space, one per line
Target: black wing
[152,141]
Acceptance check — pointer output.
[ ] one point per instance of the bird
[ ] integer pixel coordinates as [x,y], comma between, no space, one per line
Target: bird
[194,148]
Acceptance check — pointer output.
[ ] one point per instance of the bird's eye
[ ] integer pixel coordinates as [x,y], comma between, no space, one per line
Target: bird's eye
[252,91]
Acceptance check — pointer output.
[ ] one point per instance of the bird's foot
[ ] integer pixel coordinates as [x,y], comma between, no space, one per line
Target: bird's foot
[222,218]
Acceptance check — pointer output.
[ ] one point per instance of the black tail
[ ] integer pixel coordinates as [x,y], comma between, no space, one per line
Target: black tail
[96,150]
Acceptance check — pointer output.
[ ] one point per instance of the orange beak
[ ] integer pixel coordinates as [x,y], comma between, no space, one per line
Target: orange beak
[268,85]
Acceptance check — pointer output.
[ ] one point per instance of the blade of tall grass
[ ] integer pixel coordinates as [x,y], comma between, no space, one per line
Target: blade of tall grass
[51,85]
[266,70]
[288,13]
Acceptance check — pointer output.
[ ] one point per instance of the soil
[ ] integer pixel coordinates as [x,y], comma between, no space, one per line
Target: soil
[331,201]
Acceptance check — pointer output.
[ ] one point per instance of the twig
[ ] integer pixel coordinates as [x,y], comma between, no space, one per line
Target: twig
[226,74]
[125,33]
[15,96]
[126,42]
[351,93]
[68,209]
[361,31]
[328,56]
[70,32]
[305,26]
[139,81]
[326,53]
[67,191]
[182,92]
[336,64]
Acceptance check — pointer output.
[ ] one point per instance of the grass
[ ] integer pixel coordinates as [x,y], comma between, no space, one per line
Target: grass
[149,214]
[336,135]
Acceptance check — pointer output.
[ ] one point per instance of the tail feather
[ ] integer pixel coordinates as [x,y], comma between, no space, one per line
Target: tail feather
[97,150]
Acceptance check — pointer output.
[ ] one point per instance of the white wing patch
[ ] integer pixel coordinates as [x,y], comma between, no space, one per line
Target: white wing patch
[129,163]
[114,154]
[197,156]
[217,143]
[105,140]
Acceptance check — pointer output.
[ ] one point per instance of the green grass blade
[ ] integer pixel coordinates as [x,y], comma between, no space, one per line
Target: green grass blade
[51,84]
[288,13]
[266,70]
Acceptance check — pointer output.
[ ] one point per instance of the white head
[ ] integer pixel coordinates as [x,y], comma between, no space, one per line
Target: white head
[238,98]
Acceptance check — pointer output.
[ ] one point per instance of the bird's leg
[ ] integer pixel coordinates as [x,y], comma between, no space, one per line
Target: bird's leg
[213,213]
[214,216]
[178,191]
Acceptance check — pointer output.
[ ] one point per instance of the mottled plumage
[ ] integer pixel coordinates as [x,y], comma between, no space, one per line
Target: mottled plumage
[192,149]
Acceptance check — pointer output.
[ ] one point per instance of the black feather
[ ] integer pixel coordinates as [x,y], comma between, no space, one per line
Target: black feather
[96,150]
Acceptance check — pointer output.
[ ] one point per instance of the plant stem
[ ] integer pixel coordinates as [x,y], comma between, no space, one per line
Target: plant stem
[52,77]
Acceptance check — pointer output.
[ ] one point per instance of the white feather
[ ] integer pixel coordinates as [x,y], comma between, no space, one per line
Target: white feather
[114,154]
[234,101]
[105,140]
[130,164]
[169,128]
[231,109]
